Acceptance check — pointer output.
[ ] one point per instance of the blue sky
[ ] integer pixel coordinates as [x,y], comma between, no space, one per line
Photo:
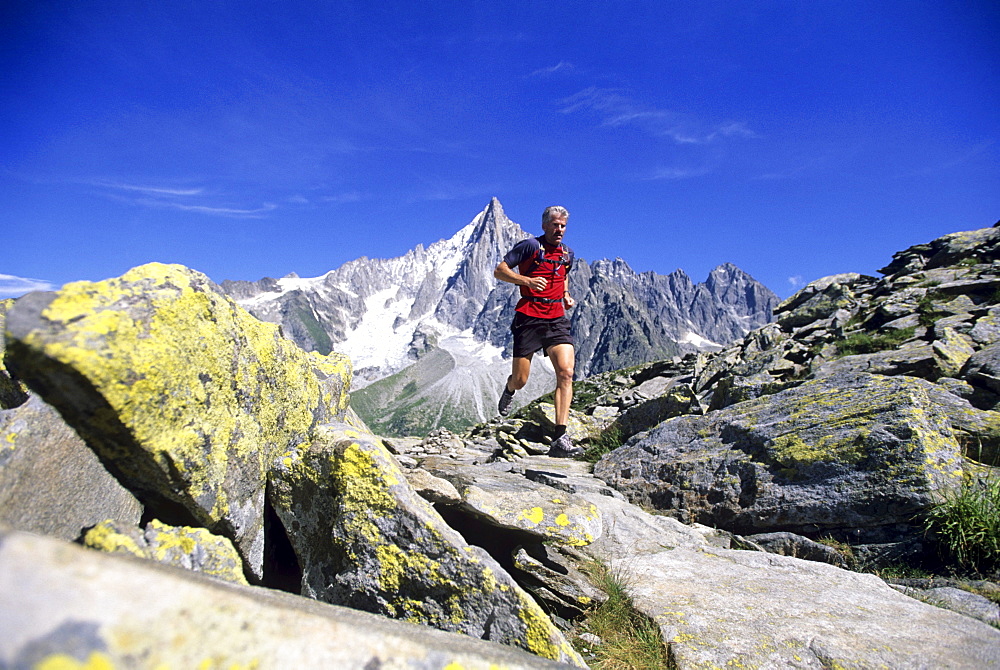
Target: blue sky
[252,139]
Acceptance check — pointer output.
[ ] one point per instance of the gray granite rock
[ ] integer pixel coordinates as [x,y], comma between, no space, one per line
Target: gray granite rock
[365,539]
[82,608]
[790,544]
[724,608]
[859,452]
[51,482]
[961,601]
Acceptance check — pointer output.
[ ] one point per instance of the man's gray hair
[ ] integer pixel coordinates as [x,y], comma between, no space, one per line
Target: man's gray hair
[554,212]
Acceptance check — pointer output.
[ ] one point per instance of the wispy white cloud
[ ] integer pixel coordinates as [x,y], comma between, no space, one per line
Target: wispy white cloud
[184,199]
[445,190]
[14,287]
[968,155]
[348,196]
[733,130]
[206,209]
[677,173]
[149,190]
[796,281]
[561,66]
[616,108]
[600,99]
[480,37]
[777,176]
[795,168]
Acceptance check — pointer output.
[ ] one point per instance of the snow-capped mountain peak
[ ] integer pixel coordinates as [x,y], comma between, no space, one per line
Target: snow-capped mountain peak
[386,314]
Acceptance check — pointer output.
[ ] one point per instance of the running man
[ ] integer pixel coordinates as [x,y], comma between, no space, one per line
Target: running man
[540,322]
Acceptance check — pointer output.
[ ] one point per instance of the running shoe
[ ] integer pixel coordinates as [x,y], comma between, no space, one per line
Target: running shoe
[506,400]
[562,447]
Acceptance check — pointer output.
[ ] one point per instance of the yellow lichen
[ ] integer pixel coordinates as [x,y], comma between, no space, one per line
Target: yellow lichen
[395,564]
[535,515]
[104,537]
[95,661]
[168,539]
[195,379]
[672,616]
[541,634]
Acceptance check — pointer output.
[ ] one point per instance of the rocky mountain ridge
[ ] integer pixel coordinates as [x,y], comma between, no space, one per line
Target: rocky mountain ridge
[442,302]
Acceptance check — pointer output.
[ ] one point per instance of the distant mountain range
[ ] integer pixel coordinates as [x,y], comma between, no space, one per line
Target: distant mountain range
[429,336]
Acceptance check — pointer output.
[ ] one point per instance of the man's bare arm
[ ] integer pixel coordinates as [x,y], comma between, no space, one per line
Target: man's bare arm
[503,272]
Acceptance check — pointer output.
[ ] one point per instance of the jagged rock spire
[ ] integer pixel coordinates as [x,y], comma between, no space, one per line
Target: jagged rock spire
[471,286]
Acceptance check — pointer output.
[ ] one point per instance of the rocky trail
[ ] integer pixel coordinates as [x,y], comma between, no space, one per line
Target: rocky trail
[180,485]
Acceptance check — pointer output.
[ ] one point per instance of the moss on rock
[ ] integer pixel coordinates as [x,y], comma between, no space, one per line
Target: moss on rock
[183,393]
[183,547]
[12,391]
[366,540]
[850,451]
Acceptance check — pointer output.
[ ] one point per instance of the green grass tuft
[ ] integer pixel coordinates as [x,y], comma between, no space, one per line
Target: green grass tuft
[324,345]
[902,571]
[927,313]
[605,442]
[863,343]
[966,522]
[629,639]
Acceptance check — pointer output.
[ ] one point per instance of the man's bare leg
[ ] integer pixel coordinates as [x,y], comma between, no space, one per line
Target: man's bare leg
[563,358]
[520,369]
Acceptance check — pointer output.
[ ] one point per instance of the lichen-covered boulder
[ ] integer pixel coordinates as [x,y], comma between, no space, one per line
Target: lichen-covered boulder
[182,547]
[674,400]
[982,246]
[366,540]
[50,481]
[986,330]
[859,453]
[65,606]
[512,502]
[953,350]
[916,359]
[818,300]
[12,391]
[183,394]
[432,489]
[983,368]
[543,415]
[731,390]
[556,581]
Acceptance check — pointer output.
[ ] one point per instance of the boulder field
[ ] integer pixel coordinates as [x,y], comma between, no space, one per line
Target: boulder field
[180,485]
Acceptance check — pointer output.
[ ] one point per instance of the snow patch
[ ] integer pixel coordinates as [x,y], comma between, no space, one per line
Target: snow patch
[374,342]
[698,341]
[468,351]
[288,284]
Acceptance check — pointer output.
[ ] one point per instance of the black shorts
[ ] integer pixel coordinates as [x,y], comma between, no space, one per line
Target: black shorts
[532,333]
